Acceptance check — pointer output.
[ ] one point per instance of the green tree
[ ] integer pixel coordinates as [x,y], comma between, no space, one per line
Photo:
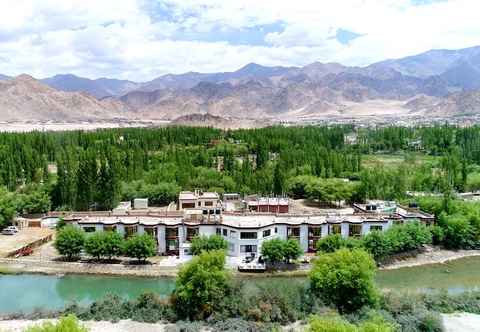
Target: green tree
[208,243]
[66,324]
[70,241]
[113,244]
[273,250]
[378,245]
[140,247]
[104,245]
[7,208]
[292,250]
[201,285]
[334,242]
[94,245]
[278,180]
[345,278]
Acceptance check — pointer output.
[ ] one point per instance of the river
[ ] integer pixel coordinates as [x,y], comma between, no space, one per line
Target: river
[26,292]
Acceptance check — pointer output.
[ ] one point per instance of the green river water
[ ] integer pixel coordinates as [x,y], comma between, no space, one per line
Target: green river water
[28,292]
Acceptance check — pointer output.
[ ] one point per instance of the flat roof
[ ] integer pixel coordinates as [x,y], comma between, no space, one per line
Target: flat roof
[236,221]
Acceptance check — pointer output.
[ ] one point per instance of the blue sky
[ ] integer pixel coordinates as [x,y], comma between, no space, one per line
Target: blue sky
[142,39]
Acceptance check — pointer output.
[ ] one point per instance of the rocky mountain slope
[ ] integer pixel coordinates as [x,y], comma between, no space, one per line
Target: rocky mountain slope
[25,98]
[99,88]
[437,83]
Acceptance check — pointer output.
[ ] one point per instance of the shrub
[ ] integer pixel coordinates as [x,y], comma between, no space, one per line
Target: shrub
[345,279]
[208,243]
[140,247]
[438,235]
[377,244]
[104,244]
[273,250]
[334,323]
[410,312]
[201,285]
[292,250]
[458,233]
[94,245]
[334,242]
[65,324]
[70,241]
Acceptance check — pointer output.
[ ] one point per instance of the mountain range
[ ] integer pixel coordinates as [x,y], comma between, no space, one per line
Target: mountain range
[437,82]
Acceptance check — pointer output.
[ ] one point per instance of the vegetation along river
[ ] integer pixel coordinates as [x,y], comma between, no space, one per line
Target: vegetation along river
[27,292]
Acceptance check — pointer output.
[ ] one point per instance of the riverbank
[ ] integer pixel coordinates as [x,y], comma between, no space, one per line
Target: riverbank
[432,255]
[458,322]
[120,326]
[165,267]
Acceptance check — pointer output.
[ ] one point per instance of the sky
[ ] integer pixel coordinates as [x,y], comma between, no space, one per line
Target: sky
[143,39]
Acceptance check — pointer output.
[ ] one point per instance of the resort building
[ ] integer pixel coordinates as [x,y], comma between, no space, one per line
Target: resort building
[201,214]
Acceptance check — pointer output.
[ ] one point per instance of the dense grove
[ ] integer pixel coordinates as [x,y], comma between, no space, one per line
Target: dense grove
[93,170]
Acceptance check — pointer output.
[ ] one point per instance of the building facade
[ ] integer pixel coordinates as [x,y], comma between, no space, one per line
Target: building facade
[201,214]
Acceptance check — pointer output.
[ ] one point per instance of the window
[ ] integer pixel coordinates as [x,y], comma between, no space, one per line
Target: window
[335,229]
[231,246]
[130,231]
[191,232]
[225,232]
[209,203]
[276,230]
[219,231]
[233,234]
[188,205]
[248,249]
[267,232]
[354,230]
[112,228]
[248,235]
[315,231]
[89,229]
[293,231]
[171,232]
[376,228]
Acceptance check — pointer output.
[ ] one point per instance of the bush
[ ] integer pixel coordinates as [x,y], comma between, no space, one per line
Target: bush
[292,250]
[377,244]
[70,241]
[208,243]
[345,279]
[438,235]
[458,233]
[104,244]
[201,285]
[411,313]
[272,250]
[140,247]
[277,250]
[334,242]
[65,324]
[334,323]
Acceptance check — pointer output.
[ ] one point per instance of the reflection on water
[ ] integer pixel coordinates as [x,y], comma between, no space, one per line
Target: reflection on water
[456,276]
[28,292]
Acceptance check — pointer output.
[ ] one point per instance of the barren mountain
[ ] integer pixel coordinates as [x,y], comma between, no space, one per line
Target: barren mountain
[25,98]
[100,88]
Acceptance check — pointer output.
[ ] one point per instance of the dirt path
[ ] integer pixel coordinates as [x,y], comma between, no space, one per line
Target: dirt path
[432,255]
[461,322]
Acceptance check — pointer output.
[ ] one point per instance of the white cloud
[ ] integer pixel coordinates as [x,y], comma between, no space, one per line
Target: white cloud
[122,39]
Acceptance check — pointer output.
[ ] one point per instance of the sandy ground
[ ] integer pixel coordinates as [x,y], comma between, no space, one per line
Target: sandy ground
[432,255]
[11,243]
[304,206]
[60,126]
[121,326]
[461,322]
